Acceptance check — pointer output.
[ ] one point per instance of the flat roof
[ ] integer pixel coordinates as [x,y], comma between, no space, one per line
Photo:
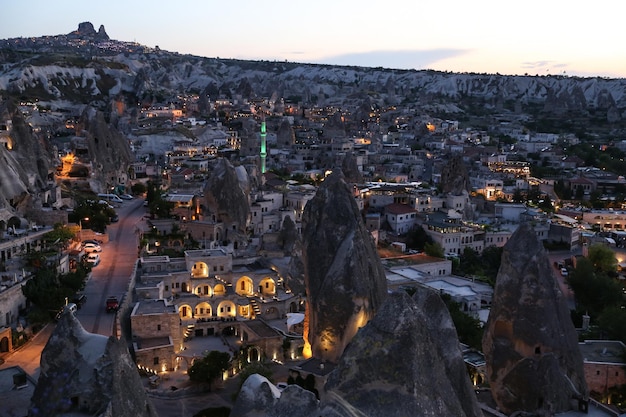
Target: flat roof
[179,198]
[316,367]
[153,307]
[603,351]
[474,358]
[262,329]
[463,290]
[408,272]
[15,401]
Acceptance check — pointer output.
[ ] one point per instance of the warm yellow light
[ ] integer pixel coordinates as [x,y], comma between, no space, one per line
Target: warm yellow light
[306,350]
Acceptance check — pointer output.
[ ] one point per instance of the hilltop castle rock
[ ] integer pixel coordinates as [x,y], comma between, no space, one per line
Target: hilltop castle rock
[90,374]
[86,30]
[344,276]
[531,349]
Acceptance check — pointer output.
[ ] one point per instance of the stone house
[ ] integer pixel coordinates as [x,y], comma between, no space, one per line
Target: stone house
[206,293]
[157,334]
[603,364]
[400,217]
[451,234]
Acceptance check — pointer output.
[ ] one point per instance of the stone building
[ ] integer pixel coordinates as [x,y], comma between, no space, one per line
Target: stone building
[603,364]
[206,293]
[157,334]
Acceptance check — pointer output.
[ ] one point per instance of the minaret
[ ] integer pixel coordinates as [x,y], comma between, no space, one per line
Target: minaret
[263,145]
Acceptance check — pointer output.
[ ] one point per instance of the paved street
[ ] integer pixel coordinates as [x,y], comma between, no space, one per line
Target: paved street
[111,277]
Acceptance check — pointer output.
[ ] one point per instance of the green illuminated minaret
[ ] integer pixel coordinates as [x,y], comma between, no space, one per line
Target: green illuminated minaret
[263,146]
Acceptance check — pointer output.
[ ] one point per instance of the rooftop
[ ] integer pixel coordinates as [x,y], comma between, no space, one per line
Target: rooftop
[15,400]
[262,329]
[316,367]
[153,307]
[603,351]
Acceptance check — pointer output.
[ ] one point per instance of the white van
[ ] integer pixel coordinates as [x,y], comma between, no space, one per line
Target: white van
[110,197]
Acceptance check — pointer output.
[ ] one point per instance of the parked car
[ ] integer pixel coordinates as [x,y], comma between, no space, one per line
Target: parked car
[126,197]
[71,307]
[93,258]
[79,300]
[564,272]
[92,247]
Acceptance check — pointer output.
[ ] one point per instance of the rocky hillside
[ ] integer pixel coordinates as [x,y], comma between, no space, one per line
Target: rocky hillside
[67,75]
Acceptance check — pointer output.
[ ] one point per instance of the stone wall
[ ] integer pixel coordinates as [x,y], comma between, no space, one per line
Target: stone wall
[602,376]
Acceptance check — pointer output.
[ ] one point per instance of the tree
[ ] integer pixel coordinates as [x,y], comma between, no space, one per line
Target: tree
[613,321]
[470,263]
[47,290]
[518,196]
[157,205]
[417,238]
[434,249]
[602,258]
[545,204]
[211,366]
[92,214]
[491,259]
[138,188]
[594,290]
[469,329]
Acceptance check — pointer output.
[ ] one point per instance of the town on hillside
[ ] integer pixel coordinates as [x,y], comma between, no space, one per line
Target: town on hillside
[219,182]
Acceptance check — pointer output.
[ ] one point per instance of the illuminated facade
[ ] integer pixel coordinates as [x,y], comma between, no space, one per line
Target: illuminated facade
[206,293]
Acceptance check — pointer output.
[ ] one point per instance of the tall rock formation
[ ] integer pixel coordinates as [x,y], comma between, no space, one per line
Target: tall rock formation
[406,361]
[344,277]
[350,169]
[25,163]
[454,176]
[87,374]
[227,197]
[534,364]
[86,30]
[108,149]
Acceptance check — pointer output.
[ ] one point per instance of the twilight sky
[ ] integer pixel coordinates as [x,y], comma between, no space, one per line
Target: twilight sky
[492,36]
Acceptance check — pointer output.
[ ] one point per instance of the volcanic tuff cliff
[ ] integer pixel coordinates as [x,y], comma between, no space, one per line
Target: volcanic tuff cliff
[227,195]
[87,374]
[25,163]
[344,277]
[531,348]
[107,148]
[406,361]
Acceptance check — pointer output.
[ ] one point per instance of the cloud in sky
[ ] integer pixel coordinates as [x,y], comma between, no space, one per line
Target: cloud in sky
[403,59]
